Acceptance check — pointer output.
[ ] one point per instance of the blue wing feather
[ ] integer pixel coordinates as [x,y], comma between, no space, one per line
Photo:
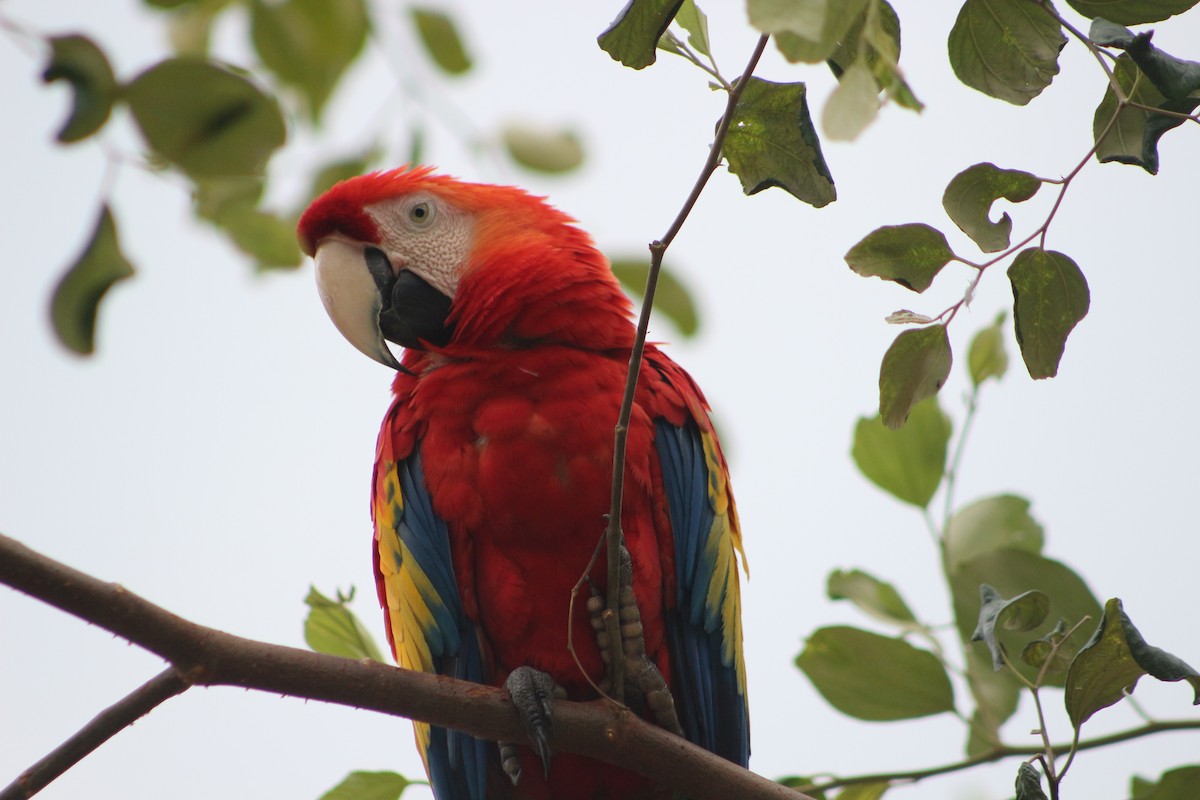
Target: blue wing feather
[707,669]
[457,762]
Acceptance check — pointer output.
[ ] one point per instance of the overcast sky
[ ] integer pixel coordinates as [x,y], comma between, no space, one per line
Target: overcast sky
[215,455]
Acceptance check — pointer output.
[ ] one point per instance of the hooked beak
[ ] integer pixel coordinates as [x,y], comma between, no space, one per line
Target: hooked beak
[352,297]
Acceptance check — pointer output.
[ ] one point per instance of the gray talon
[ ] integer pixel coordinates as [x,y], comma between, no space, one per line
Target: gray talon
[510,760]
[532,692]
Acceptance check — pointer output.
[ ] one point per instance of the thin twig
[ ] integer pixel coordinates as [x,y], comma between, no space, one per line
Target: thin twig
[209,657]
[103,727]
[1097,51]
[583,579]
[999,754]
[952,471]
[620,432]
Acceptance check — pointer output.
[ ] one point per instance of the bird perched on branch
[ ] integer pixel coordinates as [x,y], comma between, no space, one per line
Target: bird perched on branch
[493,474]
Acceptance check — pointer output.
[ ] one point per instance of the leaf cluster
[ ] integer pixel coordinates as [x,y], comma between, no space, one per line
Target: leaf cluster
[218,125]
[1009,50]
[1022,617]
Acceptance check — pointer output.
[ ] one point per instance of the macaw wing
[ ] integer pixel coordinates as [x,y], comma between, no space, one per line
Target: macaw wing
[427,628]
[704,626]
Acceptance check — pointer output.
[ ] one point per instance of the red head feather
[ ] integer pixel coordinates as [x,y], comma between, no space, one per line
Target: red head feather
[532,275]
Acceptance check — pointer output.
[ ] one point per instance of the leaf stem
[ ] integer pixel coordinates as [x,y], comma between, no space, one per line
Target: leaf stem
[688,54]
[955,463]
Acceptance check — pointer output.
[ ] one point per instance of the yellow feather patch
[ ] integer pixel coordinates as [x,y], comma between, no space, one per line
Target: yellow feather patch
[407,589]
[724,593]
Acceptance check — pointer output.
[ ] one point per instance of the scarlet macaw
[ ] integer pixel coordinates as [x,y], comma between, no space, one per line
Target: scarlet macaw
[493,467]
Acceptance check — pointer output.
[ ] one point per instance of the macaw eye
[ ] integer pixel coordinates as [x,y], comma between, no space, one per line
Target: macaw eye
[421,214]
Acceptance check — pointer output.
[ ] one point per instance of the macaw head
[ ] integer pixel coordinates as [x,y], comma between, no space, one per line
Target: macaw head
[432,263]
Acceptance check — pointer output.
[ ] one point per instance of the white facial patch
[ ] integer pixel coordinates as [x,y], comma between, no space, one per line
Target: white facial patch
[423,233]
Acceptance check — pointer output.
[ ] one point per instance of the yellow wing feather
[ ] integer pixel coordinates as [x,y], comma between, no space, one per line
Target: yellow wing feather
[724,540]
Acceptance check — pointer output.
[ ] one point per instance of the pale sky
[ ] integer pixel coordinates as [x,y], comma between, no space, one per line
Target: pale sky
[215,455]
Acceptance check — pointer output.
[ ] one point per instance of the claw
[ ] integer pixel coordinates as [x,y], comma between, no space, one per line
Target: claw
[642,674]
[532,692]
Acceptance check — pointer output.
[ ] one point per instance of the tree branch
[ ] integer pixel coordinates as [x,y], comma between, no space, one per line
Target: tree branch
[103,727]
[621,432]
[208,657]
[1001,753]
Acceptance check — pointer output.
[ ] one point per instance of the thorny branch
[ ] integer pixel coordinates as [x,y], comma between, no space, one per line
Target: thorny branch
[202,656]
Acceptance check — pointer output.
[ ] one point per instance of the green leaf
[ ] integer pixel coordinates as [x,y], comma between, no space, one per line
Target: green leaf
[341,169]
[695,22]
[986,357]
[1139,787]
[911,255]
[671,297]
[802,783]
[772,142]
[1005,48]
[873,36]
[1110,664]
[218,198]
[331,628]
[1174,77]
[309,44]
[370,786]
[1050,296]
[232,205]
[1012,572]
[81,63]
[1037,652]
[875,677]
[852,106]
[1155,80]
[805,18]
[1181,783]
[205,119]
[913,368]
[969,196]
[996,696]
[78,294]
[267,238]
[1110,34]
[907,463]
[1022,613]
[440,36]
[1131,12]
[1129,134]
[864,791]
[541,149]
[1029,783]
[633,36]
[840,19]
[1001,522]
[190,28]
[1103,671]
[876,597]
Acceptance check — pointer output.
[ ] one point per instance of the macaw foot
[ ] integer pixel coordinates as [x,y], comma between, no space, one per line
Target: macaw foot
[532,692]
[642,675]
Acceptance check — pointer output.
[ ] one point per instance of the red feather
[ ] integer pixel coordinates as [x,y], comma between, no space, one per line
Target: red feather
[514,420]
